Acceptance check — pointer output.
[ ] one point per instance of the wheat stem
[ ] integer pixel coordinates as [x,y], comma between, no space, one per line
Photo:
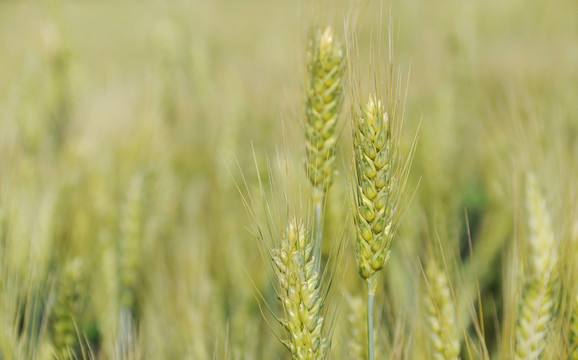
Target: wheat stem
[370,298]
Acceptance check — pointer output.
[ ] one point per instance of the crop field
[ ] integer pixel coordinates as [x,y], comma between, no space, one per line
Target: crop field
[258,179]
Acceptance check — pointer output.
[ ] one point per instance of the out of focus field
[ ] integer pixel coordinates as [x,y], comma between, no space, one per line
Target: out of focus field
[132,133]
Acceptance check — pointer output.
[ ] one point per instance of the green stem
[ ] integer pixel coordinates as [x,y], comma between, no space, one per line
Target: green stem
[370,297]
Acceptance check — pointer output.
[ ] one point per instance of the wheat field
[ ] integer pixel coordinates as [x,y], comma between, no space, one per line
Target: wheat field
[288,180]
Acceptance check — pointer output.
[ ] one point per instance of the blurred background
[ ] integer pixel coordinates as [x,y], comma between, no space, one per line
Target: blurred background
[140,142]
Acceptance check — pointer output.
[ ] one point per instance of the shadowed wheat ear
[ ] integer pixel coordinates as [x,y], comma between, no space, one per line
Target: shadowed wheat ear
[538,300]
[441,315]
[324,94]
[300,294]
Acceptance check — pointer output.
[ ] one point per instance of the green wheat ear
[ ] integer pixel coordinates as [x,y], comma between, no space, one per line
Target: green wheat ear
[538,301]
[375,186]
[324,98]
[300,294]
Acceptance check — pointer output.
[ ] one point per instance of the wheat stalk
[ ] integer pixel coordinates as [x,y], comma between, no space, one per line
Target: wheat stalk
[538,300]
[441,315]
[300,294]
[357,348]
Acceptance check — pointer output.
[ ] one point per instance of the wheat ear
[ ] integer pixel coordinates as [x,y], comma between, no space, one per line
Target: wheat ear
[375,184]
[300,294]
[324,99]
[537,300]
[324,93]
[130,242]
[375,196]
[441,315]
[66,308]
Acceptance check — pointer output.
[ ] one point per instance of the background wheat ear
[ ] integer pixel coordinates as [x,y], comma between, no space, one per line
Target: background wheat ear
[538,299]
[300,293]
[441,315]
[324,95]
[131,240]
[67,308]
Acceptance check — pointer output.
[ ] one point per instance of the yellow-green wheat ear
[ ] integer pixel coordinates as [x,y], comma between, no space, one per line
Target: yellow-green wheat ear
[300,294]
[66,309]
[323,104]
[538,300]
[375,185]
[441,316]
